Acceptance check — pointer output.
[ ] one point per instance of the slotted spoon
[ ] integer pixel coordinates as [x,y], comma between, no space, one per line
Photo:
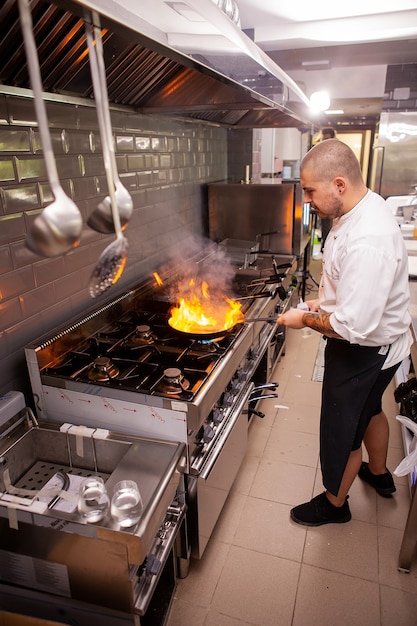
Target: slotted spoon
[113,259]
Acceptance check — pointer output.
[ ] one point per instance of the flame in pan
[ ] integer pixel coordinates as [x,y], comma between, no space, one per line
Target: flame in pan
[198,312]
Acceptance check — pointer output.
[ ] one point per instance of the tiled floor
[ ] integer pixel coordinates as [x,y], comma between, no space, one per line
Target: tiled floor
[260,568]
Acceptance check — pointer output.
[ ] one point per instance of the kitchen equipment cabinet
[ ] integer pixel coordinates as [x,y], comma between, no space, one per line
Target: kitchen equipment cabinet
[48,547]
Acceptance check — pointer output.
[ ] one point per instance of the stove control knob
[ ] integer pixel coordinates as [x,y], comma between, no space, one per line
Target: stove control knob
[253,354]
[218,416]
[208,434]
[242,376]
[227,398]
[236,384]
[153,565]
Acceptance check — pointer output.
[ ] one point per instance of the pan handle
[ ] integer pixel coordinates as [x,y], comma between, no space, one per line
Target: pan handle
[271,320]
[280,265]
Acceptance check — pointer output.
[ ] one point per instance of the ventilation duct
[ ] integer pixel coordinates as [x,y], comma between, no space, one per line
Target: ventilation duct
[220,76]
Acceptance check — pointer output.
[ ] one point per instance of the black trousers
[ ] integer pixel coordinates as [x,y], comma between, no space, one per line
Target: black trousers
[353,385]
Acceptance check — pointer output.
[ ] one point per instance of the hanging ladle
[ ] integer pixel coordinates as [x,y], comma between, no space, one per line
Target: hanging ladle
[113,259]
[101,219]
[57,229]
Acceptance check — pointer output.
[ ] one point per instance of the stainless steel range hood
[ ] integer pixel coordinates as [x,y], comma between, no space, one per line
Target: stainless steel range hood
[172,58]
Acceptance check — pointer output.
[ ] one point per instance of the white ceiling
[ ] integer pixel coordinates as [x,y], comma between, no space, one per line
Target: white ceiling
[300,24]
[354,42]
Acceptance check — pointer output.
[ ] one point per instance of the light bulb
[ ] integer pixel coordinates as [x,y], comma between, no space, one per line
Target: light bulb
[319,101]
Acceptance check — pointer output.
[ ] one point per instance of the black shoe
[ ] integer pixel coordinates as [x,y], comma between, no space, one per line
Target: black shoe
[320,511]
[382,483]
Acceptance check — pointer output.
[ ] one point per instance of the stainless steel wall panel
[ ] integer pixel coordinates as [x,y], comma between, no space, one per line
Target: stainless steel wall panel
[398,138]
[246,212]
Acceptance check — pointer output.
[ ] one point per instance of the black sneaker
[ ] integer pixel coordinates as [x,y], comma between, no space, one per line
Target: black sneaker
[320,511]
[382,483]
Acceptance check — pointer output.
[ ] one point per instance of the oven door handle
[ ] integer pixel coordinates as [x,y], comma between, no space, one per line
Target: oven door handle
[161,551]
[237,410]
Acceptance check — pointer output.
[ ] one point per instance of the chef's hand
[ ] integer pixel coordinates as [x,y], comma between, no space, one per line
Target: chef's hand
[292,318]
[316,320]
[313,305]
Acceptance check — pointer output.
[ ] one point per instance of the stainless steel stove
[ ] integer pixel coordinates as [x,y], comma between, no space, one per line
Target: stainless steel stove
[122,367]
[140,352]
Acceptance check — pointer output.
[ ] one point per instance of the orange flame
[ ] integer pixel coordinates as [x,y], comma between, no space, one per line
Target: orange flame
[158,279]
[191,315]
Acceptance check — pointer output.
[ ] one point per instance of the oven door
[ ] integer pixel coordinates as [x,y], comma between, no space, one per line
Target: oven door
[209,490]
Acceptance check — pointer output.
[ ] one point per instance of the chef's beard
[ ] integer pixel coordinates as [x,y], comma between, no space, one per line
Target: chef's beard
[334,208]
[337,208]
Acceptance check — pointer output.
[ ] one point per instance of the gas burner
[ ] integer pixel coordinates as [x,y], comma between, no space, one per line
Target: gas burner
[207,345]
[143,335]
[102,370]
[174,382]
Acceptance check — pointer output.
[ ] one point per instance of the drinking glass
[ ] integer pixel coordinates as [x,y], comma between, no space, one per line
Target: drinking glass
[126,503]
[93,501]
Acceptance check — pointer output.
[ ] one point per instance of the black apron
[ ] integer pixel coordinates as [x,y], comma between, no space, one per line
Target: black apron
[353,385]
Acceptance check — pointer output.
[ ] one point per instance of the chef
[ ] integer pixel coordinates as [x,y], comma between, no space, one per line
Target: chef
[362,310]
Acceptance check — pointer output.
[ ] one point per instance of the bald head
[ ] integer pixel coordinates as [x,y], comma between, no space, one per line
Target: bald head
[331,178]
[330,159]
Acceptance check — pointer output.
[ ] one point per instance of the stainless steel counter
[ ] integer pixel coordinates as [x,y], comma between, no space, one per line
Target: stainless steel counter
[413,305]
[411,246]
[408,543]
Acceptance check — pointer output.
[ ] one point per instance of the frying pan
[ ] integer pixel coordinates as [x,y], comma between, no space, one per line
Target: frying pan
[215,334]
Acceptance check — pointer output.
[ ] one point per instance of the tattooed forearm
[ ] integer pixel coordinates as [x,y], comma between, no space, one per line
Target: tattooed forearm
[321,323]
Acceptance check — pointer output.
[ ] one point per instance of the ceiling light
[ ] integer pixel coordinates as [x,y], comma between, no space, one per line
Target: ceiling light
[316,65]
[334,112]
[319,101]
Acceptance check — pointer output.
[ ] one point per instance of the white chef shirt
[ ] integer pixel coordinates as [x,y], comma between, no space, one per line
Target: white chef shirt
[364,283]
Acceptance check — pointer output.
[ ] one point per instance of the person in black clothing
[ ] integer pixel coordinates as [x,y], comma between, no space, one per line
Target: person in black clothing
[328,133]
[367,329]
